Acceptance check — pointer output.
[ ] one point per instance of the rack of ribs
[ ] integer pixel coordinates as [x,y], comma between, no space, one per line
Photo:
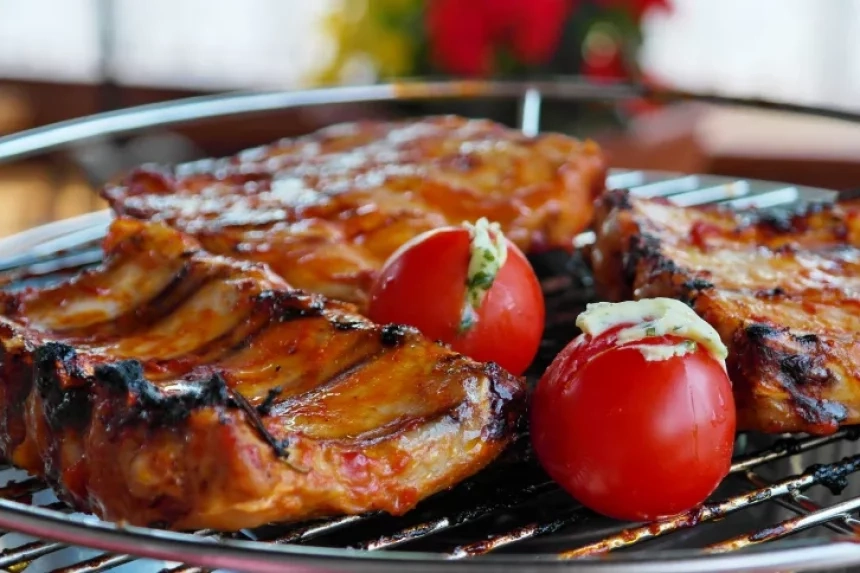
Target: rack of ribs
[326,210]
[783,291]
[174,387]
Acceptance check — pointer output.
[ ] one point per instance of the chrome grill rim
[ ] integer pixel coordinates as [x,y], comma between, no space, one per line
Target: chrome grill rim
[267,556]
[40,246]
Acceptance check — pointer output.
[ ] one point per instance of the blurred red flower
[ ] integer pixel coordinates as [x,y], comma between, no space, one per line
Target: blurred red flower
[464,34]
[460,38]
[532,28]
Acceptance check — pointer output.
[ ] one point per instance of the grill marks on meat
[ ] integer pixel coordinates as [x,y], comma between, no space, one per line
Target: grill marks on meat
[174,387]
[782,290]
[793,357]
[325,211]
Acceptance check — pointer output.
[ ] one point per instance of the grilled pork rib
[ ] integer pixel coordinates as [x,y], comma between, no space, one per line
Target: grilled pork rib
[783,292]
[326,210]
[173,387]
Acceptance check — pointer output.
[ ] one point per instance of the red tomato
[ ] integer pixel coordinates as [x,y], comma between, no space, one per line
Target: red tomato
[424,285]
[631,438]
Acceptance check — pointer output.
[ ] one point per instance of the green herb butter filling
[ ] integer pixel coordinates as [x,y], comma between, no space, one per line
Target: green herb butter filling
[488,253]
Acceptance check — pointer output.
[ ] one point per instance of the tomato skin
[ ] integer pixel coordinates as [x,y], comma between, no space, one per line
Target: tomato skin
[511,319]
[430,269]
[630,438]
[424,285]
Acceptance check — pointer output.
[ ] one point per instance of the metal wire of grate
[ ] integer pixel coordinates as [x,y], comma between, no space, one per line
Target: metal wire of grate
[506,506]
[505,512]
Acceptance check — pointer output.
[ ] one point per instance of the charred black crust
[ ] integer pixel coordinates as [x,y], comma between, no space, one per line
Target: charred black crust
[344,324]
[797,369]
[778,221]
[292,304]
[775,292]
[16,369]
[265,408]
[66,405]
[642,248]
[507,402]
[794,219]
[254,418]
[803,374]
[159,409]
[803,369]
[316,304]
[697,284]
[393,334]
[154,406]
[645,258]
[66,401]
[808,339]
[616,199]
[758,332]
[645,248]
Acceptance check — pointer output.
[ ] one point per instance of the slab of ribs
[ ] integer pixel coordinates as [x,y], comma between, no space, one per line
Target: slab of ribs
[171,386]
[325,211]
[214,372]
[781,289]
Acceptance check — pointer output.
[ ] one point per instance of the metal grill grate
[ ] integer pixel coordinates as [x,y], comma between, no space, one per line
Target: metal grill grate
[511,508]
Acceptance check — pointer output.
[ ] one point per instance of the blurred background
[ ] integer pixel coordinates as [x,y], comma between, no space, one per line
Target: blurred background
[61,59]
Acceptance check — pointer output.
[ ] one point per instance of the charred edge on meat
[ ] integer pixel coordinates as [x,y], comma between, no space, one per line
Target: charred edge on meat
[16,372]
[154,406]
[505,403]
[280,447]
[646,249]
[796,371]
[781,222]
[66,405]
[694,286]
[645,255]
[293,304]
[265,407]
[160,409]
[393,334]
[789,220]
[643,249]
[347,324]
[617,199]
[775,292]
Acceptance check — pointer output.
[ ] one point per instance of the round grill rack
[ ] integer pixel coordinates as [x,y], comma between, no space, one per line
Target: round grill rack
[509,517]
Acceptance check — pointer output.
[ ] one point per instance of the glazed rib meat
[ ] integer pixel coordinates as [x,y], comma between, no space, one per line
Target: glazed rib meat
[176,388]
[326,210]
[782,290]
